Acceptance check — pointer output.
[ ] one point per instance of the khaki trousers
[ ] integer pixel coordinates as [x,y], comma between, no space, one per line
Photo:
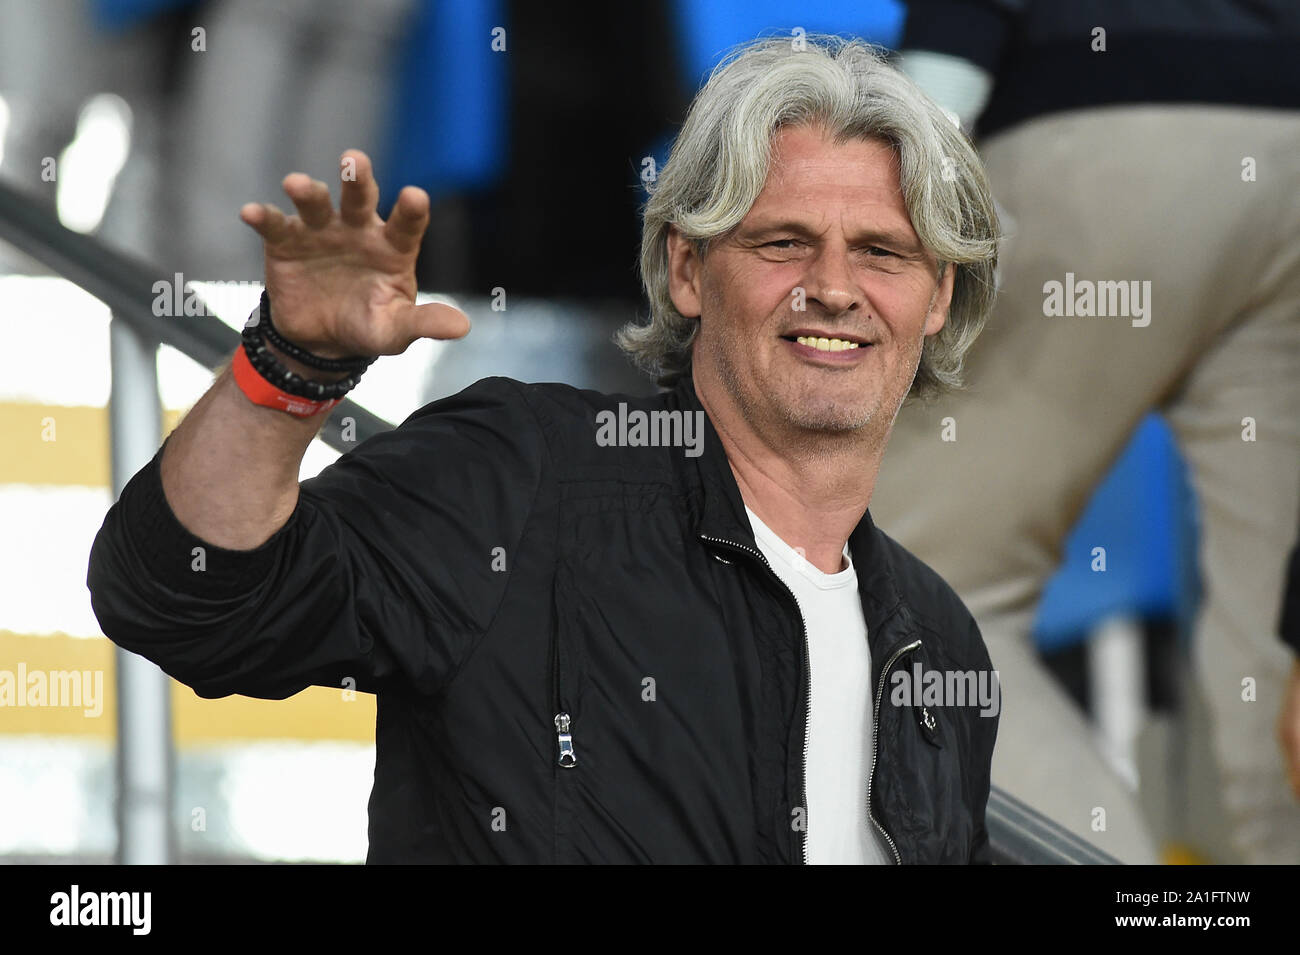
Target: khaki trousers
[1149,194]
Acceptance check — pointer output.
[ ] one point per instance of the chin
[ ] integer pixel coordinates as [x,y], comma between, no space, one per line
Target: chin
[829,417]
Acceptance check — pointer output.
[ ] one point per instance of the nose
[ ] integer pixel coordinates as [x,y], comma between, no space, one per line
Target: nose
[831,281]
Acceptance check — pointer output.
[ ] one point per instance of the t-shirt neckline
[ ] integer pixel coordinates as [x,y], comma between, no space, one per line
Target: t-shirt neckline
[797,563]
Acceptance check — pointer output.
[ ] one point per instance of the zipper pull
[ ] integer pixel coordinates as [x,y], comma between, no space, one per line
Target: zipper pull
[567,757]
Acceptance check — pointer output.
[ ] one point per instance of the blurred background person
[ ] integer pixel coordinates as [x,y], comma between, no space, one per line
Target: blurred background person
[502,110]
[1151,145]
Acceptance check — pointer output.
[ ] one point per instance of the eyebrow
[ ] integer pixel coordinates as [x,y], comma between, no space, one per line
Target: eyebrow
[886,237]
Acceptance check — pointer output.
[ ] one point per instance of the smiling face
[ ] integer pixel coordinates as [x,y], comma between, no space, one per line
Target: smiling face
[830,232]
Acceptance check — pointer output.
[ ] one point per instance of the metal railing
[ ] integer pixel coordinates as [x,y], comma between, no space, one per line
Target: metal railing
[1018,835]
[1021,835]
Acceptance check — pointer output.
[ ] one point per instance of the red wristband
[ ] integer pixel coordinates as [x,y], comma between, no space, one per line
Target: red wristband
[261,392]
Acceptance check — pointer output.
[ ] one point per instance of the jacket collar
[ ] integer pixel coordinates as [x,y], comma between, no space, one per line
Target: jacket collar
[718,511]
[717,505]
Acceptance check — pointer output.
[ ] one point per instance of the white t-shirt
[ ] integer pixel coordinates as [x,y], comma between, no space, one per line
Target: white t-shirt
[841,722]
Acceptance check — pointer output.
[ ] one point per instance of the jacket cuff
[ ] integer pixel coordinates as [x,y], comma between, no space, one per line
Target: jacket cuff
[170,555]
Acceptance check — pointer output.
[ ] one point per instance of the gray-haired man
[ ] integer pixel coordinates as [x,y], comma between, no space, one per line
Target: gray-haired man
[646,649]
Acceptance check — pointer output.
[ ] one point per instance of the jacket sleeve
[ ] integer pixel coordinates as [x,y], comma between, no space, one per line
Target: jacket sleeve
[983,739]
[389,570]
[953,49]
[974,30]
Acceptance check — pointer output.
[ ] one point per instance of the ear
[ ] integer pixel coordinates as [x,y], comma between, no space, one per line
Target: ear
[942,300]
[683,274]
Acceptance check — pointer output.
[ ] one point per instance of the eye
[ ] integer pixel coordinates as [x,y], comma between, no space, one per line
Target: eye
[780,244]
[878,252]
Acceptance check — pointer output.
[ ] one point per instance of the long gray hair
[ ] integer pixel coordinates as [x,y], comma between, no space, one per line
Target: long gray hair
[719,164]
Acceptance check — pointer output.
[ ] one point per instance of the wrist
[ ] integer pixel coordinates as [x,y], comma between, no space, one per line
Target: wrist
[265,330]
[276,373]
[261,390]
[305,371]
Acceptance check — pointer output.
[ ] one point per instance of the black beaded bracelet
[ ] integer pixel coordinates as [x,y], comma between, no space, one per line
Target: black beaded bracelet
[298,353]
[269,367]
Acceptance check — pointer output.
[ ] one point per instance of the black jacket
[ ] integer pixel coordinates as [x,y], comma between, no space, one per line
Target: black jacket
[488,566]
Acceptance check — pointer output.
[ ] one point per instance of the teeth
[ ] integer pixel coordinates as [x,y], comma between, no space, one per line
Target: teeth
[826,344]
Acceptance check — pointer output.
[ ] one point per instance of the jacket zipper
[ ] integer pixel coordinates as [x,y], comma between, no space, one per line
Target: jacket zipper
[807,677]
[875,742]
[568,758]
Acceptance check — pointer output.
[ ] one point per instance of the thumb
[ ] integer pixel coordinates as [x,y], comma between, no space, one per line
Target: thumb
[437,320]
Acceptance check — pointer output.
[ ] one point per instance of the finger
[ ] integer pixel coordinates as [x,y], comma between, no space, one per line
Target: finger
[265,219]
[360,191]
[311,198]
[408,220]
[437,320]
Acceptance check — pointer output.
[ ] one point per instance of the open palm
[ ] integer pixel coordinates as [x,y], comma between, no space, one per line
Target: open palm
[342,282]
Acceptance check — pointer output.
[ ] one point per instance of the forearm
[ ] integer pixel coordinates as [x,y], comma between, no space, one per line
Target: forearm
[230,469]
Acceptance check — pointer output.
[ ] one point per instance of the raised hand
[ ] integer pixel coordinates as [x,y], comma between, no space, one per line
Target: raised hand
[342,282]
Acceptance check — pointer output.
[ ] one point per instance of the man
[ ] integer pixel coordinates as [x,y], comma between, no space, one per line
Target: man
[605,629]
